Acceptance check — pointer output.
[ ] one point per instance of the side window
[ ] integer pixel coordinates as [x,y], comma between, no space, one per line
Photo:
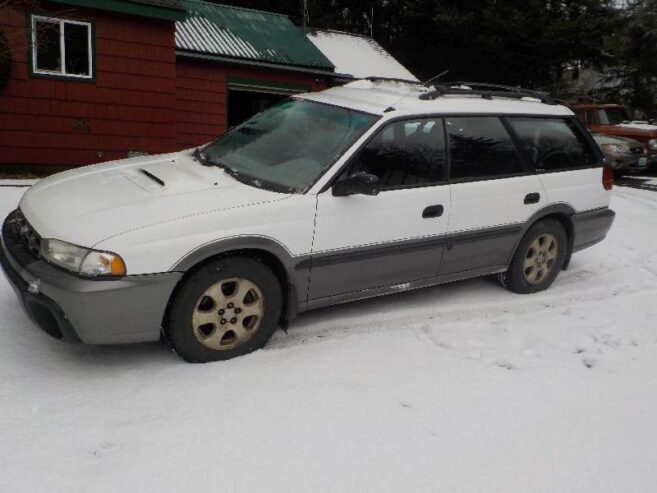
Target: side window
[553,143]
[602,117]
[480,147]
[590,117]
[582,116]
[61,48]
[405,154]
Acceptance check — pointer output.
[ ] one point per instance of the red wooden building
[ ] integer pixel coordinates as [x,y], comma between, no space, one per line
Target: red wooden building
[96,80]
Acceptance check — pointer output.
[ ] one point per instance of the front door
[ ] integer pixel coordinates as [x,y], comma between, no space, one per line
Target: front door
[367,242]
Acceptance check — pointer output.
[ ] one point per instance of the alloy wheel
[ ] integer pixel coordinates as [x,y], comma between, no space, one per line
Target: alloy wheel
[228,313]
[540,259]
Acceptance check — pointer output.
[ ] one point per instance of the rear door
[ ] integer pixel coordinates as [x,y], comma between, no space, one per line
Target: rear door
[366,242]
[494,192]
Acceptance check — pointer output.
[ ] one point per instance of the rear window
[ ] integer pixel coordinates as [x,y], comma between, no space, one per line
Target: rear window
[553,144]
[612,116]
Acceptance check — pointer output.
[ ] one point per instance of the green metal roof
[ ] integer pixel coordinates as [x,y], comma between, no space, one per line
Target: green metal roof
[245,34]
[171,10]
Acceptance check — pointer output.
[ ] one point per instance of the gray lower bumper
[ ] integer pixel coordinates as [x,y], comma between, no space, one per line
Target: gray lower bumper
[71,308]
[591,227]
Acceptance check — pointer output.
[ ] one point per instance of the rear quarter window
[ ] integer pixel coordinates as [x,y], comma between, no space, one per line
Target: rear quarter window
[480,148]
[553,144]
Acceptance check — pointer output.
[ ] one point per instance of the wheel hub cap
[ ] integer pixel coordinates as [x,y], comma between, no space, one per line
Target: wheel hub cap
[541,256]
[228,314]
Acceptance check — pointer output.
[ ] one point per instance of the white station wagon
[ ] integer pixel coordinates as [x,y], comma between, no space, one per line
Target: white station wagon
[371,188]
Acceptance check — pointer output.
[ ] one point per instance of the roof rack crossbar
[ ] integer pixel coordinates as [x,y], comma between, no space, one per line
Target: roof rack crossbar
[486,91]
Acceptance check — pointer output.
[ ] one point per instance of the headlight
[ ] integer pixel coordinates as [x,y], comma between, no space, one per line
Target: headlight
[614,149]
[81,260]
[652,143]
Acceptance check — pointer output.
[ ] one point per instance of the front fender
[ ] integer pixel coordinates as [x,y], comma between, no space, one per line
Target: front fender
[296,268]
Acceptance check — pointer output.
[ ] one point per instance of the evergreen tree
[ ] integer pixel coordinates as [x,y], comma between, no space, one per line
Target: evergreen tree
[516,42]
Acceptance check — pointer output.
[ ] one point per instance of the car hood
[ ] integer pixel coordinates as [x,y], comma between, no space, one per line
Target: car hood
[644,128]
[623,141]
[88,205]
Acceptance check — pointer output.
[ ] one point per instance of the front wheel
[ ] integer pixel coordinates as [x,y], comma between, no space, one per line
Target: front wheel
[538,259]
[229,307]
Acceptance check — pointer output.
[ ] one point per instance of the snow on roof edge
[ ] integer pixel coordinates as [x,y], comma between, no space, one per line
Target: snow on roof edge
[357,55]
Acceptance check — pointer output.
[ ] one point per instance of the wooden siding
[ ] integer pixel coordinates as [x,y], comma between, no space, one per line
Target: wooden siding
[130,105]
[142,99]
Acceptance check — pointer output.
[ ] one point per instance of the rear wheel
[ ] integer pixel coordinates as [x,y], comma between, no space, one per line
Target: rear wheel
[230,307]
[538,259]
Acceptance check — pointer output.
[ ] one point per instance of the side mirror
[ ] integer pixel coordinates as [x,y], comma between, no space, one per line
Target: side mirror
[357,184]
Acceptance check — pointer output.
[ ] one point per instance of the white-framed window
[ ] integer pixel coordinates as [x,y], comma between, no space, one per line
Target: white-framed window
[61,47]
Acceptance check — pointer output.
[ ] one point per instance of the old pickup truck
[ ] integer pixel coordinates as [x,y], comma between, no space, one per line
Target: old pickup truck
[612,119]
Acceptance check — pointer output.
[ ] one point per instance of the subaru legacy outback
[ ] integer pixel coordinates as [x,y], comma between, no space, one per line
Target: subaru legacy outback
[368,189]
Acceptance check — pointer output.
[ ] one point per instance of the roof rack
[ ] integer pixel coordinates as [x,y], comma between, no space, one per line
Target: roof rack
[486,91]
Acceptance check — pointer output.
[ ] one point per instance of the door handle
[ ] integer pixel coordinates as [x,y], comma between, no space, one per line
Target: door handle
[532,198]
[433,211]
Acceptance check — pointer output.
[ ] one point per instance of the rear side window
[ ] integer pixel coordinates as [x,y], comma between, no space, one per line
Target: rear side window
[405,154]
[553,144]
[480,148]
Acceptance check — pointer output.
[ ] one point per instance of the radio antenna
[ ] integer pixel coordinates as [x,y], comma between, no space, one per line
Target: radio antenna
[428,81]
[305,15]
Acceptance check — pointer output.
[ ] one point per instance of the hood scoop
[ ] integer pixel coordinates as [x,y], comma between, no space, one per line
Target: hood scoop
[145,180]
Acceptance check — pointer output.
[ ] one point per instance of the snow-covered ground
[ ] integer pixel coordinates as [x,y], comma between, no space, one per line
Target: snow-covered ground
[464,388]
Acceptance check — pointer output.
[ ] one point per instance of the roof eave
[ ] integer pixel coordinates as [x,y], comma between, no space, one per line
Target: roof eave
[255,63]
[129,8]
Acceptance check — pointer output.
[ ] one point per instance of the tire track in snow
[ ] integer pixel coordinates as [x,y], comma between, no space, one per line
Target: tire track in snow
[645,201]
[310,332]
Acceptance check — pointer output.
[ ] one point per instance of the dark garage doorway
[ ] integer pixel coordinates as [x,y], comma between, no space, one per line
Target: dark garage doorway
[244,104]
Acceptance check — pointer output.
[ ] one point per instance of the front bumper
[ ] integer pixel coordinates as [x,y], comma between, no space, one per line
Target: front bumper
[631,163]
[74,309]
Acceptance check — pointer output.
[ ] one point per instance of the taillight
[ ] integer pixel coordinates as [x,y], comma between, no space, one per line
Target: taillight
[607,177]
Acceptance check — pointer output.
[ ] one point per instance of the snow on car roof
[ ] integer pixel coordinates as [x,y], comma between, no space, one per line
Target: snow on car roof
[379,96]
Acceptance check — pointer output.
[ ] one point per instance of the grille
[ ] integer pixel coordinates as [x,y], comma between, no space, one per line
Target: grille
[30,239]
[637,150]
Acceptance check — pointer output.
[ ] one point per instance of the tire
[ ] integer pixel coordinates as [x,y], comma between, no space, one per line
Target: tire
[534,255]
[229,307]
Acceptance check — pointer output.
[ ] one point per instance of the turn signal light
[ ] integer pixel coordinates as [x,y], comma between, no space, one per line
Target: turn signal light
[117,267]
[607,177]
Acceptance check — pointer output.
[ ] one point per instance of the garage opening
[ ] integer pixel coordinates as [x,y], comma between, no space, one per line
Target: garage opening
[242,105]
[248,97]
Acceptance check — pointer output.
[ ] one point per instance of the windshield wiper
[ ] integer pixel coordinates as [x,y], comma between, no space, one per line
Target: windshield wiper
[205,160]
[202,157]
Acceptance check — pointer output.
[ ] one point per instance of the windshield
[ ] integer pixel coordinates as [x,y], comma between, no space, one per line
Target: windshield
[612,116]
[289,146]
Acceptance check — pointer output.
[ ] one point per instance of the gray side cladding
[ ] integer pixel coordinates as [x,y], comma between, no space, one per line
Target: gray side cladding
[354,273]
